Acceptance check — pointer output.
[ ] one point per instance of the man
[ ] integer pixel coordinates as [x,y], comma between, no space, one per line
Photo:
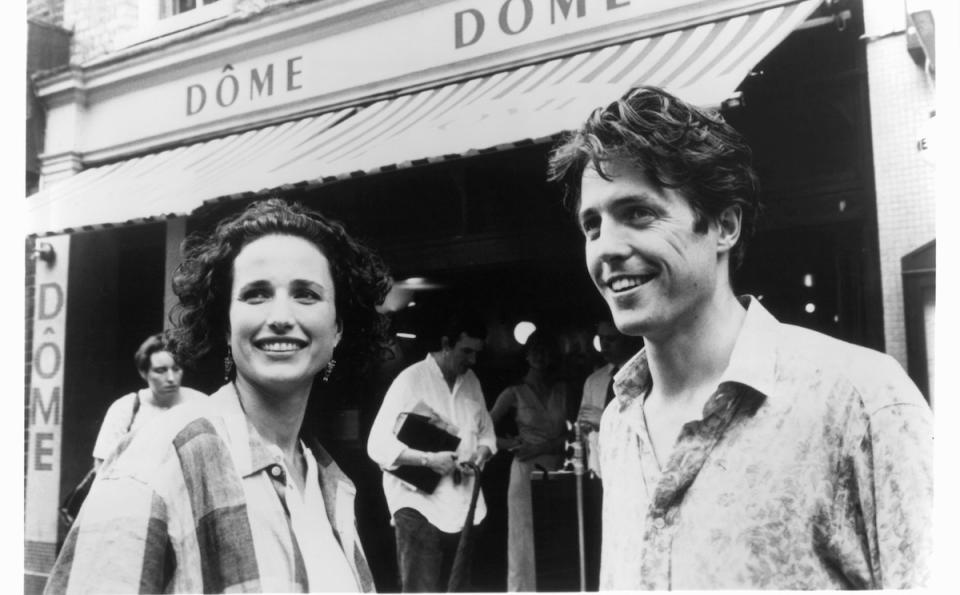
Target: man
[615,348]
[740,452]
[443,385]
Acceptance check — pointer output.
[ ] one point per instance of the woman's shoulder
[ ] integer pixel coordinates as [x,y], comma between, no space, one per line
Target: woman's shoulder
[191,394]
[121,407]
[157,444]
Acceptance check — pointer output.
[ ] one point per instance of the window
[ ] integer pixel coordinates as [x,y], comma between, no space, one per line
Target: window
[162,17]
[174,7]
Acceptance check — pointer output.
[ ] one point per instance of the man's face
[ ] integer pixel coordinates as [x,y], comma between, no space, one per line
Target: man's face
[655,272]
[463,354]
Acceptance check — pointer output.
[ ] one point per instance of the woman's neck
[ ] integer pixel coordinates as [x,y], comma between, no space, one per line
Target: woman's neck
[277,416]
[538,380]
[153,400]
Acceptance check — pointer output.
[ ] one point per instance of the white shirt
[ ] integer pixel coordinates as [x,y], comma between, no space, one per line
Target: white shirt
[465,408]
[591,408]
[117,420]
[325,562]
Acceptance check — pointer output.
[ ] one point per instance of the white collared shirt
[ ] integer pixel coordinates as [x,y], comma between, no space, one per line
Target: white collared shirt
[463,407]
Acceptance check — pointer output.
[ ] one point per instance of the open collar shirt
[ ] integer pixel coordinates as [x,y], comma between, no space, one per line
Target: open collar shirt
[198,501]
[810,469]
[465,408]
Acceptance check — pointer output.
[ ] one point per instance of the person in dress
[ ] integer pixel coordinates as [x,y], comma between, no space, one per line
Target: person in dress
[229,494]
[538,405]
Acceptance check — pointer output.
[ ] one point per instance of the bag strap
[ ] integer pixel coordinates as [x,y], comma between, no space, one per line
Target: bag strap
[136,408]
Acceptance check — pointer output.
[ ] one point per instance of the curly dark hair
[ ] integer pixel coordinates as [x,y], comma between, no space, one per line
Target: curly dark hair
[676,145]
[204,280]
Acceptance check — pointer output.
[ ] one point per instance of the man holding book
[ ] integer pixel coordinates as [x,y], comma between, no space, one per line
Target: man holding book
[442,389]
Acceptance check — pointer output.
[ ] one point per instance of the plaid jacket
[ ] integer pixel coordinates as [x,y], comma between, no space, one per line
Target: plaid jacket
[168,512]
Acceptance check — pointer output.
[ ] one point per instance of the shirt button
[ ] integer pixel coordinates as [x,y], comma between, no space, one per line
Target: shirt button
[276,471]
[659,523]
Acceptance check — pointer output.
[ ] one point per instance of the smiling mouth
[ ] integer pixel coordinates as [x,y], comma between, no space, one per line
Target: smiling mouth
[622,283]
[280,345]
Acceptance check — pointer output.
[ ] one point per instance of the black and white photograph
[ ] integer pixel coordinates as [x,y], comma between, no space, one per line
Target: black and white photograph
[483,295]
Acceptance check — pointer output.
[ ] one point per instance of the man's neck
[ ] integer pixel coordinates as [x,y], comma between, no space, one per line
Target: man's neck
[448,375]
[697,354]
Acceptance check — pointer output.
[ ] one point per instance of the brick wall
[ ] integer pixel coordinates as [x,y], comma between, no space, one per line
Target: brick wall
[98,24]
[901,99]
[45,11]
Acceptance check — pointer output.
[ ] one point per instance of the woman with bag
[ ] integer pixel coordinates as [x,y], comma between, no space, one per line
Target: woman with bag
[228,495]
[157,365]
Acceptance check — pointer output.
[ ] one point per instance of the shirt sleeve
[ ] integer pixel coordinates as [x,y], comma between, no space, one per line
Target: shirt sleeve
[895,458]
[119,543]
[382,445]
[485,434]
[113,427]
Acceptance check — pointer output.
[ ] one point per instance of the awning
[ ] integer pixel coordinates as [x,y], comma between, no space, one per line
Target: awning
[703,64]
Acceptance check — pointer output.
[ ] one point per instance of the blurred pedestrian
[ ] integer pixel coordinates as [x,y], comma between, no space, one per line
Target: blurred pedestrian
[158,366]
[443,388]
[538,406]
[615,348]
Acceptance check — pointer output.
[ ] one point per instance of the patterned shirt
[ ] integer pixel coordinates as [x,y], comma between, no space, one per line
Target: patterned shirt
[197,501]
[810,469]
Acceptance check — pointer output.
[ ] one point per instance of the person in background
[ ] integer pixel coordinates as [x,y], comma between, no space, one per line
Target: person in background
[230,494]
[159,367]
[615,348]
[443,387]
[538,406]
[740,452]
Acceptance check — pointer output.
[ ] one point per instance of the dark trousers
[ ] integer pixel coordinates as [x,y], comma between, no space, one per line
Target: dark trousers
[424,554]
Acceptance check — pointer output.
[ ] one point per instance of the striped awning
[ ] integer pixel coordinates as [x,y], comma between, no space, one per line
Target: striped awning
[703,64]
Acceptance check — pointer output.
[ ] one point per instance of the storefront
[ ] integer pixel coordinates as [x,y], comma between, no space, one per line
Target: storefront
[426,131]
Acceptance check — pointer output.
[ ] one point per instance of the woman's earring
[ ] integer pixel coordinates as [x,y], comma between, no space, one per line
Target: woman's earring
[227,365]
[328,371]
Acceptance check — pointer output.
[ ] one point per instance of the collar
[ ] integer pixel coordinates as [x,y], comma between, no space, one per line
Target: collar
[752,362]
[754,359]
[258,453]
[434,368]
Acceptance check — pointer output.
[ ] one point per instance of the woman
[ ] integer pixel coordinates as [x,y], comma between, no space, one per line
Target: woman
[539,407]
[223,495]
[158,366]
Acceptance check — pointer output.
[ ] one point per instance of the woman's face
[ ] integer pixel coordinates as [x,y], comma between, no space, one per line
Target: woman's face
[283,318]
[164,375]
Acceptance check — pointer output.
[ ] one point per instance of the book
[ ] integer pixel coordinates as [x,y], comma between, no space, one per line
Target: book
[422,433]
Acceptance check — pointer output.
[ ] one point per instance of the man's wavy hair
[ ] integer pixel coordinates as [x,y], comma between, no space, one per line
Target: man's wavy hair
[676,145]
[204,280]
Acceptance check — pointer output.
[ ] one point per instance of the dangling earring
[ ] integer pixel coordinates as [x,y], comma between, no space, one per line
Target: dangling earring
[227,365]
[328,371]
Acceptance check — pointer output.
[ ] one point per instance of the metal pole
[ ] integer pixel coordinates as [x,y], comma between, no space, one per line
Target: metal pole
[576,460]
